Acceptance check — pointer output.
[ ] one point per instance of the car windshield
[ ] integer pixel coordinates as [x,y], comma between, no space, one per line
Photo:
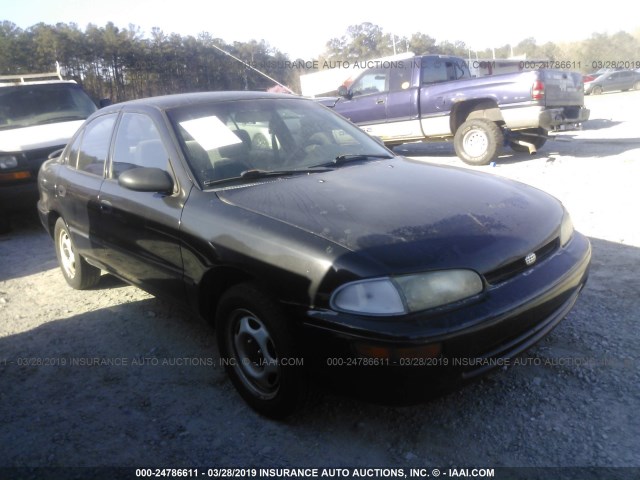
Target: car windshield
[248,139]
[40,104]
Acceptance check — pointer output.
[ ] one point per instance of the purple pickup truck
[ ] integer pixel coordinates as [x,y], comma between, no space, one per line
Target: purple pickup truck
[435,98]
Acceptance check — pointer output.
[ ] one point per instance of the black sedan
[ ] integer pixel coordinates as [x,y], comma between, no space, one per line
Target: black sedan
[309,243]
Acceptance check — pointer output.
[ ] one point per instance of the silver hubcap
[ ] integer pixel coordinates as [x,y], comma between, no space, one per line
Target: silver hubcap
[256,359]
[475,142]
[67,255]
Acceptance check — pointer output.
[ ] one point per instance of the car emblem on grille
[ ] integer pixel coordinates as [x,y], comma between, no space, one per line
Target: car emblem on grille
[530,259]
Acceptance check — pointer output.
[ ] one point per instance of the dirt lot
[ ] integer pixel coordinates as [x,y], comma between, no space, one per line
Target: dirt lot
[575,404]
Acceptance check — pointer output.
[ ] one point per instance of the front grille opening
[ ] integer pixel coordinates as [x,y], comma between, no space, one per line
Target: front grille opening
[512,269]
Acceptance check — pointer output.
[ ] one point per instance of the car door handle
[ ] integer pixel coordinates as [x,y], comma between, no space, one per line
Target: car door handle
[61,190]
[105,206]
[380,101]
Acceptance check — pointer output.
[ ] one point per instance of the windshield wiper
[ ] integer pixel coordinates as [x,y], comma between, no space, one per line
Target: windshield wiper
[353,157]
[259,173]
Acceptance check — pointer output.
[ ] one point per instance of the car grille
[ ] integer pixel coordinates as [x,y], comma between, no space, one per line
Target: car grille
[514,268]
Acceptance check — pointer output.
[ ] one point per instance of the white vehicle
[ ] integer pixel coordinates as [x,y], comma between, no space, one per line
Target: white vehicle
[39,113]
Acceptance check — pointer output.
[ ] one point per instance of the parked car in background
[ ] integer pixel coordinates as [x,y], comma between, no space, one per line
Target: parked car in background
[320,249]
[590,77]
[38,115]
[621,80]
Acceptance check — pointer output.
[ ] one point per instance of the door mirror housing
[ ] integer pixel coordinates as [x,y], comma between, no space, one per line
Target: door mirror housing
[146,180]
[344,92]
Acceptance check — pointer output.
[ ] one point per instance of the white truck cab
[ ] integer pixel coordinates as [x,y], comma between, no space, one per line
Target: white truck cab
[39,113]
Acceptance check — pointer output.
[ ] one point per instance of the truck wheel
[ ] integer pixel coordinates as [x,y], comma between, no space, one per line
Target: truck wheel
[478,141]
[258,351]
[538,142]
[75,269]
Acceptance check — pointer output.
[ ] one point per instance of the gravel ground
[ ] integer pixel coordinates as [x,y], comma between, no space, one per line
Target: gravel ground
[164,401]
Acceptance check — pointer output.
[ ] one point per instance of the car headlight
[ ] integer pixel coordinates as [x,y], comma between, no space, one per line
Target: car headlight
[404,294]
[8,161]
[566,229]
[379,296]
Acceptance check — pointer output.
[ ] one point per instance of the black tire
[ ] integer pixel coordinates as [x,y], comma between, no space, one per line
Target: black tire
[259,352]
[537,141]
[75,269]
[597,91]
[478,141]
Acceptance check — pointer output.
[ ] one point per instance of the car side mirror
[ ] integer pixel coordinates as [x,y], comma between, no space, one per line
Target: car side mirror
[55,153]
[143,179]
[105,102]
[344,92]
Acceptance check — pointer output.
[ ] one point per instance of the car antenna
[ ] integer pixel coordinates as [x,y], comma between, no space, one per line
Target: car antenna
[253,68]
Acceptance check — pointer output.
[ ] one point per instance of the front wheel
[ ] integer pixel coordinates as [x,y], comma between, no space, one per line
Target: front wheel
[597,90]
[258,351]
[478,141]
[75,269]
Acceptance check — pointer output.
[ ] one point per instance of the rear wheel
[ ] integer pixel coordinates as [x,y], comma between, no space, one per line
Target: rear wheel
[478,141]
[597,90]
[75,269]
[259,352]
[531,136]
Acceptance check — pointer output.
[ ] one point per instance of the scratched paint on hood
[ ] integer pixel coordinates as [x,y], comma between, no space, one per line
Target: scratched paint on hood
[435,214]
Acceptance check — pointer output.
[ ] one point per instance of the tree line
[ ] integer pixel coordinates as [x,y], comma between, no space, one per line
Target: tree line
[367,40]
[123,64]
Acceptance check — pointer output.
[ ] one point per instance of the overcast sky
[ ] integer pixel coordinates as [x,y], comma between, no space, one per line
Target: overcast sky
[301,29]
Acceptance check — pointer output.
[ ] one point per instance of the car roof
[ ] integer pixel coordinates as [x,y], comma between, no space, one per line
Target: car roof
[167,102]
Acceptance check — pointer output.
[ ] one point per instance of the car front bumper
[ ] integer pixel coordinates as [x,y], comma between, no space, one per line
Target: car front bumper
[19,196]
[452,346]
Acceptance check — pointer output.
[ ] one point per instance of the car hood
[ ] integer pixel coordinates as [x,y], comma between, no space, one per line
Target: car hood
[38,136]
[408,216]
